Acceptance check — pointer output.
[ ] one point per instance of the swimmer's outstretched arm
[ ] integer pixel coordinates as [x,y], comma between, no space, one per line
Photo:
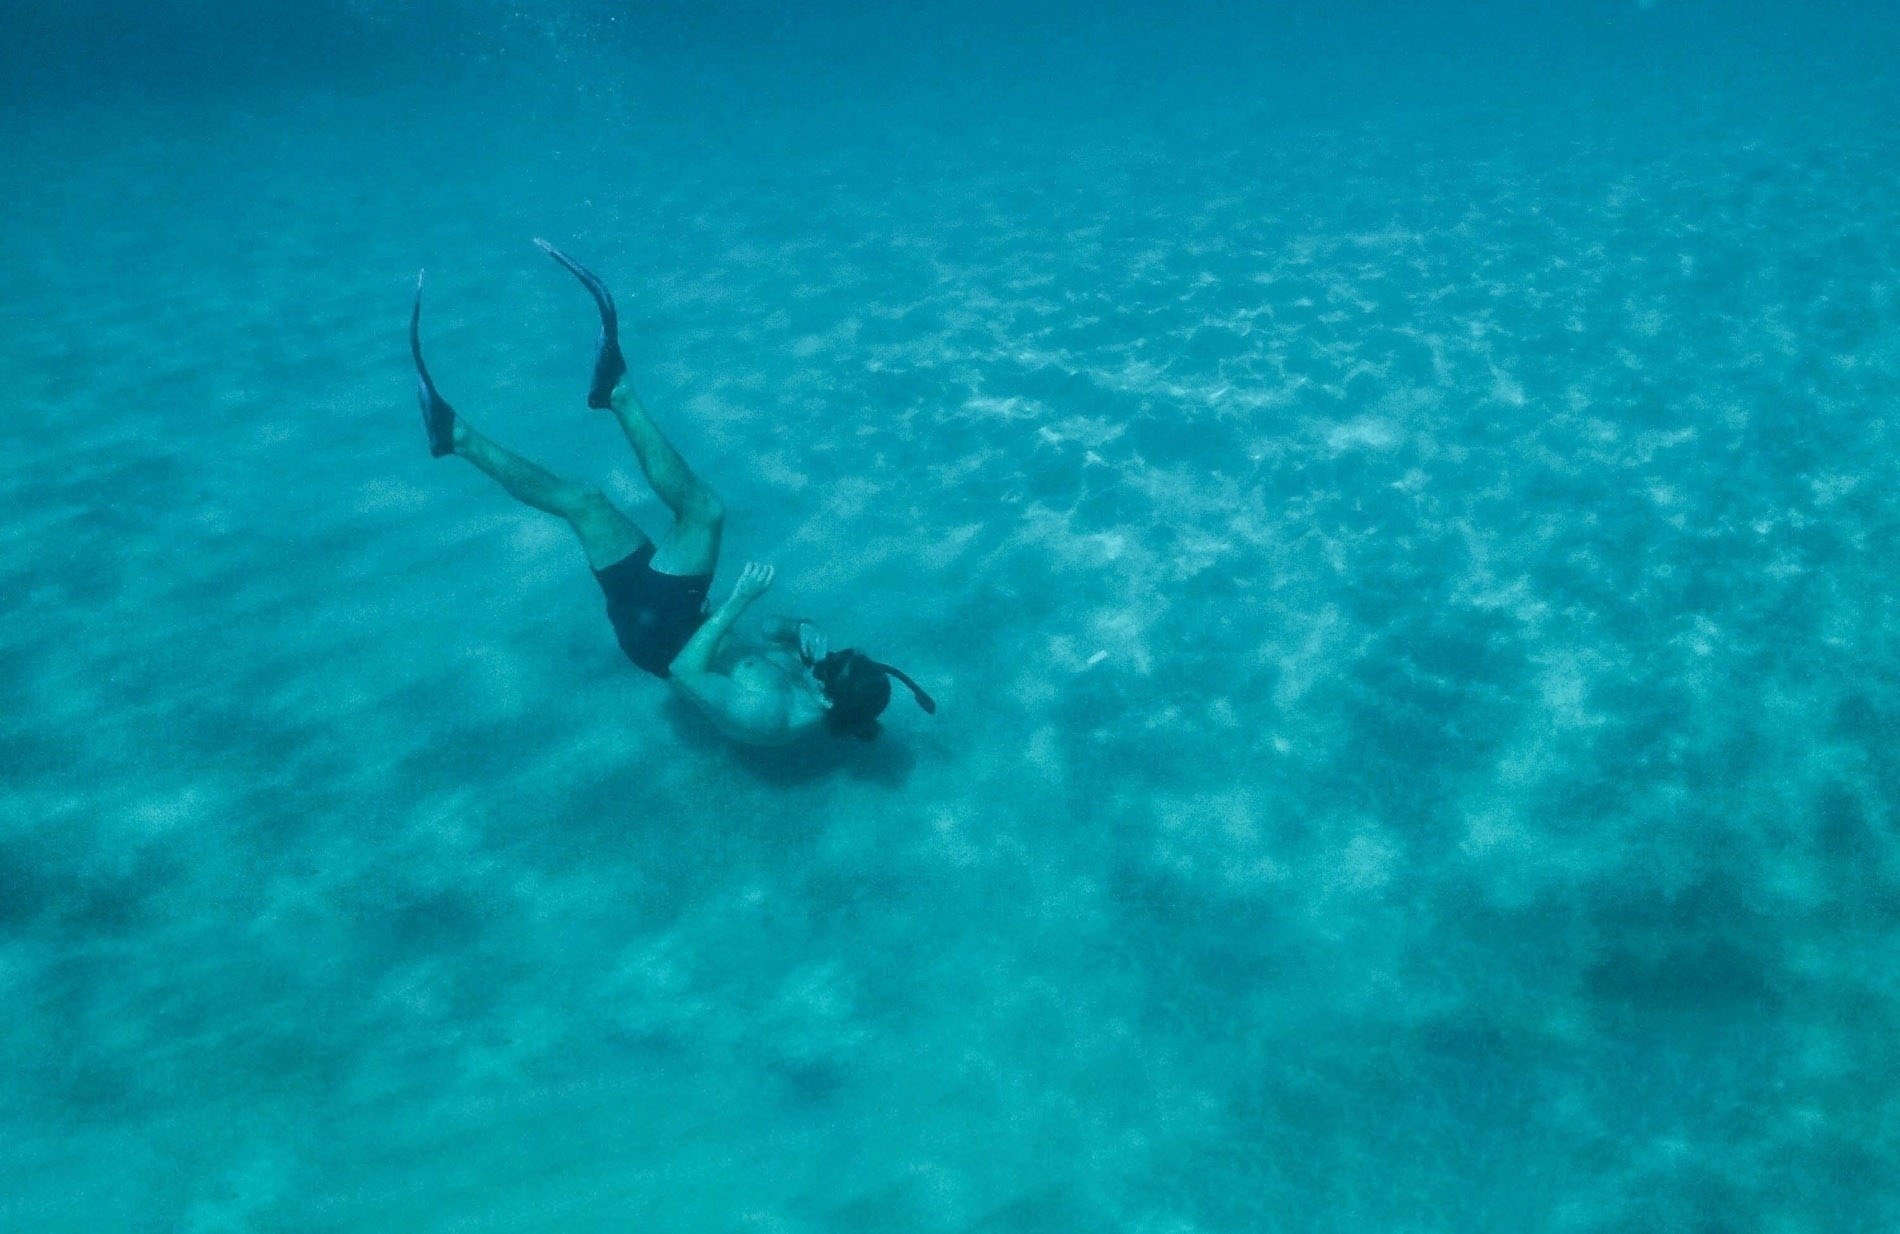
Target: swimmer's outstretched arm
[742,714]
[697,655]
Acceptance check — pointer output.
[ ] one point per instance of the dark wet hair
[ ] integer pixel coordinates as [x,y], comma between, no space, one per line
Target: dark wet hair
[859,689]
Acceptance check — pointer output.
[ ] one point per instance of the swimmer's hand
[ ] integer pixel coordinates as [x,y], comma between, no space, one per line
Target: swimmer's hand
[782,630]
[696,658]
[811,642]
[753,582]
[800,634]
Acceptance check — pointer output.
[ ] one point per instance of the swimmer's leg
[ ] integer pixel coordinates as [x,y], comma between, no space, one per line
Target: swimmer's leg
[606,535]
[691,546]
[609,365]
[438,418]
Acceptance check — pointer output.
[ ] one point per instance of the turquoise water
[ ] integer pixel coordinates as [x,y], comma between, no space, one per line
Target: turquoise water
[1396,504]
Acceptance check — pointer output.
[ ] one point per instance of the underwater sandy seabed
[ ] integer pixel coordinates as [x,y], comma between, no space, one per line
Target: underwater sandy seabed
[1411,605]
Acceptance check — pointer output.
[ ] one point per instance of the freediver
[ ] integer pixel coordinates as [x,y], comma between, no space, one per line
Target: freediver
[656,590]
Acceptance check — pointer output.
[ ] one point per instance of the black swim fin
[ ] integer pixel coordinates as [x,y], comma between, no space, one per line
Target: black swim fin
[609,365]
[438,418]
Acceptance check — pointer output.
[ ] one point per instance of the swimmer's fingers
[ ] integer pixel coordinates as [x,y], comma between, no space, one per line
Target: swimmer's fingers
[782,629]
[754,580]
[811,642]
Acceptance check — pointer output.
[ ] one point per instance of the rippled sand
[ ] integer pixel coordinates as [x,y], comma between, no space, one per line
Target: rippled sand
[1411,609]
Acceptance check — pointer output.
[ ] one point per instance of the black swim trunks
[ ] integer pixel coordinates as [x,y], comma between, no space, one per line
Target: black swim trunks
[654,614]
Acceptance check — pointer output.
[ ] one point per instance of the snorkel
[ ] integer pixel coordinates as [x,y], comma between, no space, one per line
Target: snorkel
[857,687]
[850,662]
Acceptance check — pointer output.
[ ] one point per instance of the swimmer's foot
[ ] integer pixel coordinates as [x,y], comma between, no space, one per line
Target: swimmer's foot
[438,418]
[609,365]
